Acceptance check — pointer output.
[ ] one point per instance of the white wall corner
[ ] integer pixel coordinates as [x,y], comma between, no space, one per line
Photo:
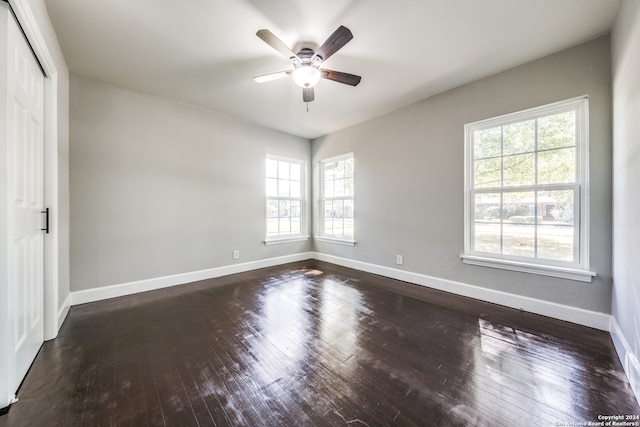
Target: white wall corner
[567,313]
[630,361]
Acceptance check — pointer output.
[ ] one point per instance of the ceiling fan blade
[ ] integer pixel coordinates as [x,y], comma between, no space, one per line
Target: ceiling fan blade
[269,38]
[339,38]
[340,77]
[307,94]
[272,76]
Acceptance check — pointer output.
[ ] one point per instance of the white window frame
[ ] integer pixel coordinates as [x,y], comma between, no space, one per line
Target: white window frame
[324,237]
[577,270]
[292,237]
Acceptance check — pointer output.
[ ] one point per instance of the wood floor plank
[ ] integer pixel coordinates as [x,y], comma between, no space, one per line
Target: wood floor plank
[287,346]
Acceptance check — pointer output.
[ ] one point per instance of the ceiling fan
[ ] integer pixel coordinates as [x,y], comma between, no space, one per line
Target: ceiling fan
[306,71]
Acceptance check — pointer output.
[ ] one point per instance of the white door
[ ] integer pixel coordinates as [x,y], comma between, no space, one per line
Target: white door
[25,149]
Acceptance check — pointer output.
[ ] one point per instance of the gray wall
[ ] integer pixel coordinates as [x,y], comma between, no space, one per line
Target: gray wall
[626,177]
[409,175]
[161,188]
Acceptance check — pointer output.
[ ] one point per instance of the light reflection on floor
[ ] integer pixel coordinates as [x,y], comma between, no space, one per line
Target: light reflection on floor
[284,328]
[339,318]
[505,353]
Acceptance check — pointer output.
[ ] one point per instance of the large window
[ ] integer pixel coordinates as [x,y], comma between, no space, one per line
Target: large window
[337,181]
[526,191]
[285,200]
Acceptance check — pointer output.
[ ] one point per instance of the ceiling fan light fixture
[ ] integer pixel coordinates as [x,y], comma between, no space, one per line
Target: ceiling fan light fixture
[306,76]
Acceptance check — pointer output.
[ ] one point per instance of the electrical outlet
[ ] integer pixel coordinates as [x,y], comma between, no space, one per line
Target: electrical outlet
[399,259]
[236,254]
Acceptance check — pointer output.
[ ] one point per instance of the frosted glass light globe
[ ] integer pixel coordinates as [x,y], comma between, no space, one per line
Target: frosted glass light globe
[306,76]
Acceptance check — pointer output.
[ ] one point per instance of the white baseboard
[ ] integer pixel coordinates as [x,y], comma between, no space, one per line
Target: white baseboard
[550,309]
[576,315]
[63,311]
[629,360]
[113,291]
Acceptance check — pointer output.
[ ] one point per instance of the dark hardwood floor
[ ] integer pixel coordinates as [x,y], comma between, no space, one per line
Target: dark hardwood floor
[286,346]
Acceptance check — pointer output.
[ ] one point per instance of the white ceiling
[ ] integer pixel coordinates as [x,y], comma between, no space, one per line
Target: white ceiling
[205,52]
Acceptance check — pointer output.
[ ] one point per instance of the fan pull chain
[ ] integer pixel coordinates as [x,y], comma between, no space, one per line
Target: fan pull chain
[307,107]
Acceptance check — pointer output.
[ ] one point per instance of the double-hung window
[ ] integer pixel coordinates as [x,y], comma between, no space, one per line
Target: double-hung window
[526,191]
[285,186]
[337,189]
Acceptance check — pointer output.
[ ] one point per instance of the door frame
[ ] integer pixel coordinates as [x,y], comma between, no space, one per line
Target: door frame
[53,313]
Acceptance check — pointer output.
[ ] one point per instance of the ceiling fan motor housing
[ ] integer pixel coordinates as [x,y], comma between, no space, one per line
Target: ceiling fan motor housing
[306,56]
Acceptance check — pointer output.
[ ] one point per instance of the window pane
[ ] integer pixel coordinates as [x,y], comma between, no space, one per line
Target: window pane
[348,227]
[338,188]
[295,172]
[519,170]
[328,188]
[348,168]
[518,230]
[295,209]
[347,209]
[340,169]
[486,173]
[285,207]
[488,216]
[283,170]
[557,207]
[518,239]
[487,143]
[555,242]
[557,166]
[487,237]
[338,227]
[328,209]
[557,131]
[285,225]
[328,226]
[519,138]
[348,187]
[294,188]
[272,187]
[338,209]
[272,227]
[488,207]
[283,188]
[272,168]
[519,208]
[272,208]
[295,226]
[331,170]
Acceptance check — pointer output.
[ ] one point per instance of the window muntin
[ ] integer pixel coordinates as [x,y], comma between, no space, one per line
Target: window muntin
[526,187]
[285,198]
[337,180]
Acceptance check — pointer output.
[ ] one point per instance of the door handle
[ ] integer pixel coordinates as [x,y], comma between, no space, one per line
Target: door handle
[46,220]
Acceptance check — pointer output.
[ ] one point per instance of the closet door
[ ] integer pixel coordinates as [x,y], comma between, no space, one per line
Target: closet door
[24,202]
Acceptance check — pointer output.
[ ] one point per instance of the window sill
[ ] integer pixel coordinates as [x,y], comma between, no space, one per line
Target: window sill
[523,267]
[335,241]
[282,240]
